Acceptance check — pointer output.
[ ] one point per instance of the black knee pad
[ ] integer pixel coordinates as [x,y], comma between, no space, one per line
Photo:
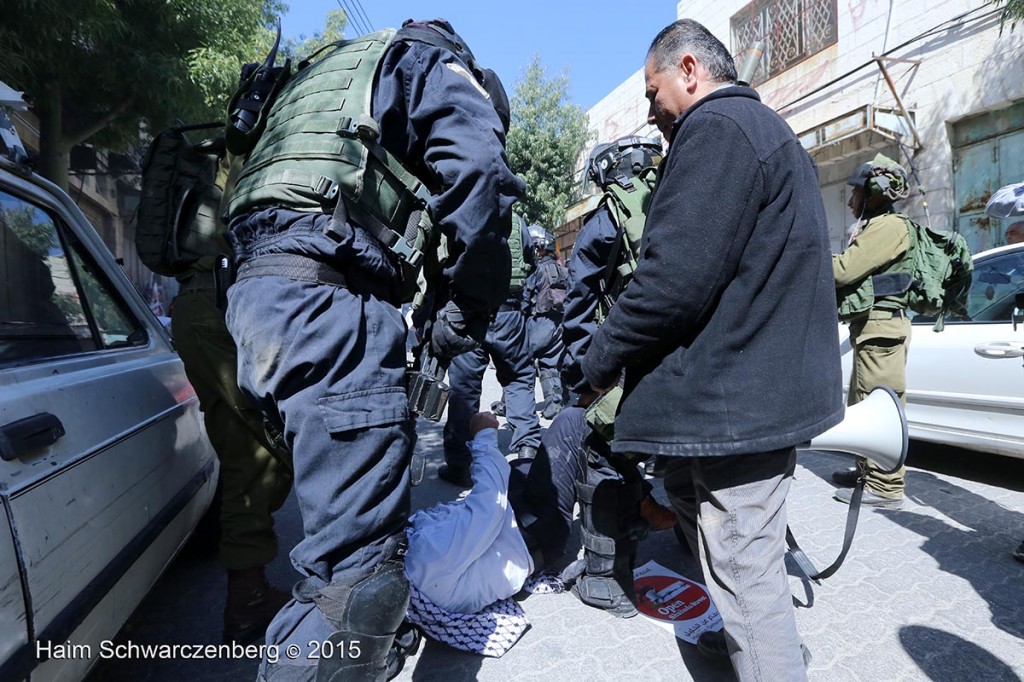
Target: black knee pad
[366,615]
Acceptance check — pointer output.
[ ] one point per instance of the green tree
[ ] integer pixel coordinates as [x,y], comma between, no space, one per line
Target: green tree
[546,138]
[37,235]
[1013,11]
[302,47]
[97,70]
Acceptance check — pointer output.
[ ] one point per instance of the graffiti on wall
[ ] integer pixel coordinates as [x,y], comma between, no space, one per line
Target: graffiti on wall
[807,82]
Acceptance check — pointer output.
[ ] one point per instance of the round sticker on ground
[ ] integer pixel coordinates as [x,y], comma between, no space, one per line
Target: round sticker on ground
[671,599]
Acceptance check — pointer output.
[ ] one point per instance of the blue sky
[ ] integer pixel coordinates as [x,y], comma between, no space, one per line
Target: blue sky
[601,42]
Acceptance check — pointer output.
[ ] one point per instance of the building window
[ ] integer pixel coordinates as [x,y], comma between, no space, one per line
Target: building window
[793,30]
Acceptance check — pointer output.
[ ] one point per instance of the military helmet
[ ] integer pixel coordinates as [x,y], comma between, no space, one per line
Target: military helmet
[541,238]
[883,177]
[622,160]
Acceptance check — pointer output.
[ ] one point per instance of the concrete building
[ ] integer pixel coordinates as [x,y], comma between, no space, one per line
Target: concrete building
[936,84]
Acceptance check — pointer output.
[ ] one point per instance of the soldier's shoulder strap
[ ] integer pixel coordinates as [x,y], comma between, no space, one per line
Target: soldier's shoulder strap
[628,207]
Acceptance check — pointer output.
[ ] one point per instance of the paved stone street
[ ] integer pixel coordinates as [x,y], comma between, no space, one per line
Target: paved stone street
[929,592]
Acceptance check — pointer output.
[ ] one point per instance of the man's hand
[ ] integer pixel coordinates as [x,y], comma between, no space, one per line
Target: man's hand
[481,421]
[455,332]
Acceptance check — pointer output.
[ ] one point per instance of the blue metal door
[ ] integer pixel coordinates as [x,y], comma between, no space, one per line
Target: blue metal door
[988,153]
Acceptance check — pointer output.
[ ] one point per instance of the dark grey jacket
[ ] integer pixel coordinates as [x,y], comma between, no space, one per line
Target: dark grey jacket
[728,332]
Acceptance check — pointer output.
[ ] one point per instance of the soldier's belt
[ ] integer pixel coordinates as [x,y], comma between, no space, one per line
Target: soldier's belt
[292,267]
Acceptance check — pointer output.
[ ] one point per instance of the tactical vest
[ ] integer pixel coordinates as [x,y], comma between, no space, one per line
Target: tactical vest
[321,144]
[628,208]
[553,287]
[520,268]
[858,299]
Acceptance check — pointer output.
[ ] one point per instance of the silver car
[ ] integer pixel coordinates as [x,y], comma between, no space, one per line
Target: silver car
[105,468]
[965,384]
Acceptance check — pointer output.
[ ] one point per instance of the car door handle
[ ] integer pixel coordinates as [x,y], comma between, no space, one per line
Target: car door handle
[21,437]
[1000,349]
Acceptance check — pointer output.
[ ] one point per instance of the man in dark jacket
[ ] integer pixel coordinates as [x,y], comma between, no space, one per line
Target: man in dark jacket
[730,353]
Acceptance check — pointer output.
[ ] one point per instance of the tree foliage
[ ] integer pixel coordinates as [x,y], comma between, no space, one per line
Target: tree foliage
[96,70]
[546,138]
[1013,11]
[303,47]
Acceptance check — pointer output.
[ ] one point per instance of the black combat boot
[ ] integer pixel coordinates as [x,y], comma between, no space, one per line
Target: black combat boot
[611,528]
[251,604]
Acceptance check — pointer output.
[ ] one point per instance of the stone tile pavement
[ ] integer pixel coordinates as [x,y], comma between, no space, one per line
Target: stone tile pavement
[929,592]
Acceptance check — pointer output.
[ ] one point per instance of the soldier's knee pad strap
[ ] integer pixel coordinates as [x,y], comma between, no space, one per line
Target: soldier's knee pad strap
[369,611]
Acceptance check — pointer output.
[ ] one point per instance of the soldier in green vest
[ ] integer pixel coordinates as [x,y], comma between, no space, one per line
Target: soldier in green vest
[255,477]
[363,156]
[615,501]
[871,290]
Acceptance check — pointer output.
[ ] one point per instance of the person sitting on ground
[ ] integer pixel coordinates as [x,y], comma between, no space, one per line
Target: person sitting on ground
[469,553]
[514,523]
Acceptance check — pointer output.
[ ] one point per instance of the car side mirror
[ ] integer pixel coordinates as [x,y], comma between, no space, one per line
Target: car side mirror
[1018,309]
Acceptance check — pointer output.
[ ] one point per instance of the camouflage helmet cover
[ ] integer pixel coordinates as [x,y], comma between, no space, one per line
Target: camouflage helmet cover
[882,176]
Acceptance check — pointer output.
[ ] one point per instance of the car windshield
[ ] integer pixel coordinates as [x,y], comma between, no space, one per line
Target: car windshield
[996,280]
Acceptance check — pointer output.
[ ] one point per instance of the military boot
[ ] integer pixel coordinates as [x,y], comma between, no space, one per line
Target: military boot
[551,389]
[498,407]
[251,604]
[611,528]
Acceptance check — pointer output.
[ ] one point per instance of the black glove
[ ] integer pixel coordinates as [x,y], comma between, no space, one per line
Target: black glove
[455,332]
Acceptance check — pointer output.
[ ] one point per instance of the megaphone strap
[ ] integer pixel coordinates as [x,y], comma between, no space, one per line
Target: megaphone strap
[805,563]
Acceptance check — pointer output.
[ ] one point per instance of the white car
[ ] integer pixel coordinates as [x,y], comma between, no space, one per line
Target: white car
[105,467]
[965,384]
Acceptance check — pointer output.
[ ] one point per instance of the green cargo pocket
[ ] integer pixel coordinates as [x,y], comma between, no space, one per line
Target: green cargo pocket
[364,409]
[601,413]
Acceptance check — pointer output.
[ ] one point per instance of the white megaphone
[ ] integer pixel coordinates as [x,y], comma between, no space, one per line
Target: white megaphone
[875,428]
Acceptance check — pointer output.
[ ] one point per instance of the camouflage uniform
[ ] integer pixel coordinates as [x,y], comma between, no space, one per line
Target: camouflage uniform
[880,335]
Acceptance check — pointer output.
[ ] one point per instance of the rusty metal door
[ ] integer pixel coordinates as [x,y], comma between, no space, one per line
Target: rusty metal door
[980,169]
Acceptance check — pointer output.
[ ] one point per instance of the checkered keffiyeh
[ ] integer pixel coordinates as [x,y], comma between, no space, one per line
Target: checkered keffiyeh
[545,583]
[491,631]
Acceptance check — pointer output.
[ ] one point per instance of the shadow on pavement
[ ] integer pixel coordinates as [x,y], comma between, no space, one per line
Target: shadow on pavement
[944,657]
[974,543]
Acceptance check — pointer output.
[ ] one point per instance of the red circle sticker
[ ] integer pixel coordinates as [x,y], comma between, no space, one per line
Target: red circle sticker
[670,599]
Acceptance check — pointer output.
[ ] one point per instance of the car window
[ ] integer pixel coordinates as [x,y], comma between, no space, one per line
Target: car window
[995,282]
[54,301]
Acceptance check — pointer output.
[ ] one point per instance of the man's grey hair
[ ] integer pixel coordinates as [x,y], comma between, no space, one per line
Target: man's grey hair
[686,35]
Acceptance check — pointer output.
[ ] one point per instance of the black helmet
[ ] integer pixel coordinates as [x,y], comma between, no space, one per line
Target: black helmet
[883,177]
[622,160]
[541,238]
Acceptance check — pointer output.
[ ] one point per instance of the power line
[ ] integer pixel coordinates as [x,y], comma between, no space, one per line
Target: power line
[352,17]
[359,6]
